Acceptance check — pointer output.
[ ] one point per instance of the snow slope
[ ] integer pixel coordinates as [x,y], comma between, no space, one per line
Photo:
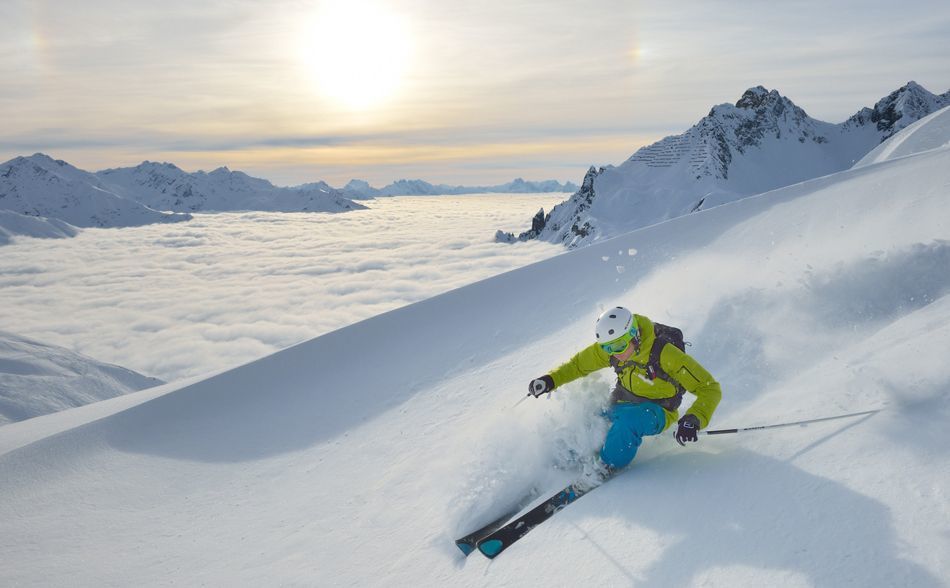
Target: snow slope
[762,142]
[37,379]
[13,224]
[924,135]
[356,457]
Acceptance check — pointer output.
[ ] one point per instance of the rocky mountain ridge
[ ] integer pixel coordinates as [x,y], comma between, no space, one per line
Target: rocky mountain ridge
[762,142]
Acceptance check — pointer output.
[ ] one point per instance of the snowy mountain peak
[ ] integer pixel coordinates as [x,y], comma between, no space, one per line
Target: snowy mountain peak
[762,142]
[899,109]
[761,99]
[319,185]
[40,163]
[706,151]
[759,112]
[223,171]
[40,186]
[579,202]
[754,96]
[42,159]
[154,165]
[167,187]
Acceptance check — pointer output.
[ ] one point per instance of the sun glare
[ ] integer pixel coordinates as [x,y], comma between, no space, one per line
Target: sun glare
[357,52]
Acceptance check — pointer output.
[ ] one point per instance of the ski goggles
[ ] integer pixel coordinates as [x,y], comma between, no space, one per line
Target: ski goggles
[620,345]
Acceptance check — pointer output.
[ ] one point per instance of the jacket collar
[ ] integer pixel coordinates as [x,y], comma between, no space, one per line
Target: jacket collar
[647,336]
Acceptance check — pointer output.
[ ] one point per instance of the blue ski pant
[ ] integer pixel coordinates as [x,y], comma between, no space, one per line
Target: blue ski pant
[629,423]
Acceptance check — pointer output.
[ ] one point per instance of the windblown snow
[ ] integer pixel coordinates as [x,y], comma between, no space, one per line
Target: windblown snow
[355,458]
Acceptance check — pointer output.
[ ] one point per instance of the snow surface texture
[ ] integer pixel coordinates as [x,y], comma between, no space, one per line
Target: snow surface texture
[762,142]
[37,379]
[357,457]
[176,301]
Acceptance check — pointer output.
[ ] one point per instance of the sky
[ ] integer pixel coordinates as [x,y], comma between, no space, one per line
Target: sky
[184,300]
[448,91]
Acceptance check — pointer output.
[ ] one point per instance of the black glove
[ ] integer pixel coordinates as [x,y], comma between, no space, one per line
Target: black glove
[542,385]
[688,430]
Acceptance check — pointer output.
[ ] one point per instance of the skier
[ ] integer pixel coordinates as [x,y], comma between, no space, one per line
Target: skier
[650,385]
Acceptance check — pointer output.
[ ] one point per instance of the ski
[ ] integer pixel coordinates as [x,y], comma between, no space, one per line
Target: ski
[469,542]
[501,539]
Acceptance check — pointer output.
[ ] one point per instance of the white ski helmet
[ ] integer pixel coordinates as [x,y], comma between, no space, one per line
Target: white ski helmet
[613,324]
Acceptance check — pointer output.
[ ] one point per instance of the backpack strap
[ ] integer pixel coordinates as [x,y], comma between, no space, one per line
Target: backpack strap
[653,370]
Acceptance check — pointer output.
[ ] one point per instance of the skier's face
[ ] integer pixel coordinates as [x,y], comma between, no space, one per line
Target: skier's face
[628,352]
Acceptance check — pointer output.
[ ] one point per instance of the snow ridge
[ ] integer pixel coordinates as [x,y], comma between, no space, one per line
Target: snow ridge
[38,379]
[924,135]
[762,142]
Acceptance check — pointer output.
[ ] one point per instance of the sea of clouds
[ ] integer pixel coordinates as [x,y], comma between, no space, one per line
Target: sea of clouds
[175,301]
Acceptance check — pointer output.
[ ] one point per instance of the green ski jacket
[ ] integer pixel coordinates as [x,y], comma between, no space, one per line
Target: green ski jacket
[634,383]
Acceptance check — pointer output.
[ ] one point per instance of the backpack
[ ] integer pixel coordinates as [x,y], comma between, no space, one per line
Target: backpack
[669,334]
[665,335]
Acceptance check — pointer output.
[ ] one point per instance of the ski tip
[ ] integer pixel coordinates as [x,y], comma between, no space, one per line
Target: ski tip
[466,547]
[490,548]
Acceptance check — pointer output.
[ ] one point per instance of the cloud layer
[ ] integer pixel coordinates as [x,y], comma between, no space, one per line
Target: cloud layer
[223,289]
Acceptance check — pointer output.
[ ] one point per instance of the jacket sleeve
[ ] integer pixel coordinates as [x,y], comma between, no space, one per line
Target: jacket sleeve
[587,361]
[695,379]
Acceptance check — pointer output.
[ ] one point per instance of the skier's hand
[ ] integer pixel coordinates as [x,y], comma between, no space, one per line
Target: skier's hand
[688,430]
[542,385]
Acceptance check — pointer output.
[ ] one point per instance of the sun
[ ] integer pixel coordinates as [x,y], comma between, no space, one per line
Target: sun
[357,52]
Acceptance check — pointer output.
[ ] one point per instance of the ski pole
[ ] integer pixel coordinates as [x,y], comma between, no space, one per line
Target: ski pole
[522,400]
[739,430]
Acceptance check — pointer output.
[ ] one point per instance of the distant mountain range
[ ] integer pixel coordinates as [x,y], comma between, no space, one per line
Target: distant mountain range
[164,186]
[762,142]
[359,189]
[37,379]
[45,197]
[39,195]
